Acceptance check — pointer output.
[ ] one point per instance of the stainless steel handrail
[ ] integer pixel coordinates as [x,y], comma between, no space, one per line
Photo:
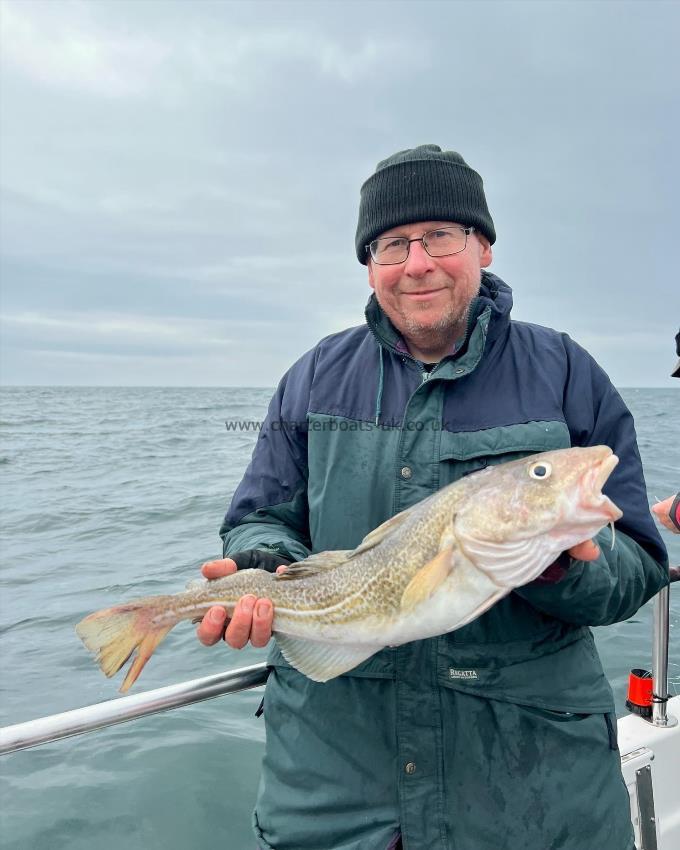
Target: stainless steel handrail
[43,730]
[660,716]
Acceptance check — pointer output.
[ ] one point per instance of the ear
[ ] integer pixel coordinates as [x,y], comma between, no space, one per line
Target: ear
[371,280]
[485,252]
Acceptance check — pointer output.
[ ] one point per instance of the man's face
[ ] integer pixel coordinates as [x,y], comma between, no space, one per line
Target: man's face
[427,298]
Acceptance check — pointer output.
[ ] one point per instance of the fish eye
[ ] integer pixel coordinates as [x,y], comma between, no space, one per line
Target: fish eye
[540,470]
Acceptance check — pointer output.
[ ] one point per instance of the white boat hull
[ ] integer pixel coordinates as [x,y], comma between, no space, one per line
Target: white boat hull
[650,762]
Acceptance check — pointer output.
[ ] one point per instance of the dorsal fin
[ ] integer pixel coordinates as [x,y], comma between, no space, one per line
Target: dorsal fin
[380,533]
[315,564]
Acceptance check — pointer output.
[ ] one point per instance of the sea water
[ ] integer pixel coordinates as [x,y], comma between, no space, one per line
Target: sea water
[108,494]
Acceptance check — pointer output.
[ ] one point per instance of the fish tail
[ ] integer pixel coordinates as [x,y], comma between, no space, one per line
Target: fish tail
[116,633]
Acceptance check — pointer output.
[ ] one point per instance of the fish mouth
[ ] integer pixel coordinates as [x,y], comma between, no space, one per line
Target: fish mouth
[591,496]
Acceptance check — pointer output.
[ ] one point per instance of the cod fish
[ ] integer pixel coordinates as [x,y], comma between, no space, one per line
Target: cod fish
[426,571]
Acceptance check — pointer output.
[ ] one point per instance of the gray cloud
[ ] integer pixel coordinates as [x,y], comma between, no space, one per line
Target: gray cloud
[180,181]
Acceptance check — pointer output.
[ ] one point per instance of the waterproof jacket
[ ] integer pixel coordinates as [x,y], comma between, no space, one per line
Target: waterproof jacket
[502,734]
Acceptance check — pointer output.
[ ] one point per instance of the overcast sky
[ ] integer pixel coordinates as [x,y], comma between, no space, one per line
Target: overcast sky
[180,180]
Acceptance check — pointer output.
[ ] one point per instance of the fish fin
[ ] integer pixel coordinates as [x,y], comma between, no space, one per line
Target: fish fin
[380,533]
[511,564]
[428,578]
[323,661]
[315,564]
[144,651]
[115,633]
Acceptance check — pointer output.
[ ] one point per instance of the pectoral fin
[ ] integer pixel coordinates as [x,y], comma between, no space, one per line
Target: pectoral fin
[323,661]
[428,578]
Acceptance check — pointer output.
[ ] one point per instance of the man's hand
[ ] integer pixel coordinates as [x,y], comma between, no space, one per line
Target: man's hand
[587,551]
[252,618]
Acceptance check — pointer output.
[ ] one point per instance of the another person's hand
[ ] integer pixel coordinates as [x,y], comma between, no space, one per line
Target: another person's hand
[668,513]
[252,618]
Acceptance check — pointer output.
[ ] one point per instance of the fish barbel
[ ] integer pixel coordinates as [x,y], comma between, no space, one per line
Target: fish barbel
[426,571]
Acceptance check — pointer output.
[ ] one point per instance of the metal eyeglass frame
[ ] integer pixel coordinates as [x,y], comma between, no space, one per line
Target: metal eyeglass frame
[466,230]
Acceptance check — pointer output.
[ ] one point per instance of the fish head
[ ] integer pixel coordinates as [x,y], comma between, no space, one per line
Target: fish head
[519,516]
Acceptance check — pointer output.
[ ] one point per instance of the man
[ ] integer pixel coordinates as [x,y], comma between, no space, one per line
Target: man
[501,734]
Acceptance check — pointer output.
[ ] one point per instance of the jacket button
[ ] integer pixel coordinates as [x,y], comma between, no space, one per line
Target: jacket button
[410,768]
[406,472]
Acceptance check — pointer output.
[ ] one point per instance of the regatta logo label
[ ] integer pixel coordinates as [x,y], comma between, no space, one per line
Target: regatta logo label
[462,674]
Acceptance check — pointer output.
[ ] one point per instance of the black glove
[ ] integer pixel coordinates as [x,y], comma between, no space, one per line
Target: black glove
[259,559]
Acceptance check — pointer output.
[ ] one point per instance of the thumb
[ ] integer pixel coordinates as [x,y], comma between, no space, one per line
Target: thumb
[218,569]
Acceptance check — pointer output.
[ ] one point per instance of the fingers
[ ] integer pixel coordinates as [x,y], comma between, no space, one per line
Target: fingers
[586,551]
[252,620]
[238,630]
[226,566]
[667,523]
[219,568]
[211,627]
[261,629]
[662,509]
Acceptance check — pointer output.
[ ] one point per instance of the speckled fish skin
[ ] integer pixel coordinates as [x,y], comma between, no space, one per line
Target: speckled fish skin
[425,572]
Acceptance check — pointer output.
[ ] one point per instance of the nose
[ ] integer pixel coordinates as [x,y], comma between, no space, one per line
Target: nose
[418,262]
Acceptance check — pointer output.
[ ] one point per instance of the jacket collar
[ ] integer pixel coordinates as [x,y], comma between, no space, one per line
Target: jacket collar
[489,316]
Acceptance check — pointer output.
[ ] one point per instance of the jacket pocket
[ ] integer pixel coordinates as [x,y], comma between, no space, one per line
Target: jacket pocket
[464,452]
[612,730]
[553,714]
[262,842]
[564,677]
[602,726]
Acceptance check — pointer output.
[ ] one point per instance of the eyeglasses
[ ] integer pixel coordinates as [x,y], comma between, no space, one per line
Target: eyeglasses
[442,242]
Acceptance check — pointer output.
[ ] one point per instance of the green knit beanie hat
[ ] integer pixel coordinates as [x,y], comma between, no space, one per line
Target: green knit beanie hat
[421,184]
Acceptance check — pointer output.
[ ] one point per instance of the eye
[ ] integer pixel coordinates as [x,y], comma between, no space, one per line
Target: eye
[540,470]
[387,246]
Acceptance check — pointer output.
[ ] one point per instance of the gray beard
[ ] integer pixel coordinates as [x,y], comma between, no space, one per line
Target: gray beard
[449,328]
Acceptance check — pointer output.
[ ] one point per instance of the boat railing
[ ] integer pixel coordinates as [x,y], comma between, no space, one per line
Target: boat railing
[660,695]
[22,736]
